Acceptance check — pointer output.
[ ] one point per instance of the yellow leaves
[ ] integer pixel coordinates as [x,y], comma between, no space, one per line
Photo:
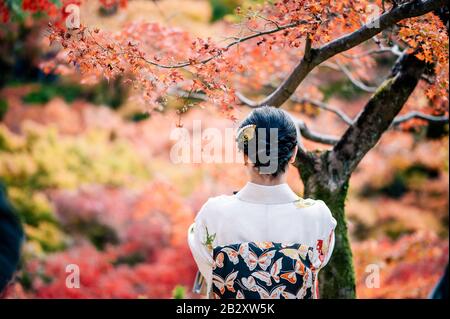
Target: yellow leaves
[15,167]
[10,141]
[32,206]
[53,160]
[47,235]
[40,225]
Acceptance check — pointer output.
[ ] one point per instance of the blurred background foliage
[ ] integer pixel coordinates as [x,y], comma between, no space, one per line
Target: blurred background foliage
[89,174]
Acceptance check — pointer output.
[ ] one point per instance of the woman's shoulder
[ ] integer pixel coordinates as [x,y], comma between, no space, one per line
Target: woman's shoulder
[316,209]
[217,201]
[214,205]
[326,214]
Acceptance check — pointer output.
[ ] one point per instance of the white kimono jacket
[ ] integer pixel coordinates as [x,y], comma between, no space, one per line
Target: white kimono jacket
[259,213]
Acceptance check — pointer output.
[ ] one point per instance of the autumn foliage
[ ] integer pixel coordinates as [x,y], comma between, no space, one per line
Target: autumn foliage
[94,188]
[158,59]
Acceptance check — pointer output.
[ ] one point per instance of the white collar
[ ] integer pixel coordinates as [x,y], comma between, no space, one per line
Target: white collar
[262,194]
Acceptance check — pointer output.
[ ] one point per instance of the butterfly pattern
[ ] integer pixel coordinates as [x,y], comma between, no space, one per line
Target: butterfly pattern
[264,271]
[220,284]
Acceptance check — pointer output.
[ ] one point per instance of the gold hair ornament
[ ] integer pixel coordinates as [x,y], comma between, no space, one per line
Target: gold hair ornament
[246,133]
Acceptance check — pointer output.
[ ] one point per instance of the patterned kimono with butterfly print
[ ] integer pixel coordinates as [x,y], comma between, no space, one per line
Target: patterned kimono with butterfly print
[262,243]
[264,271]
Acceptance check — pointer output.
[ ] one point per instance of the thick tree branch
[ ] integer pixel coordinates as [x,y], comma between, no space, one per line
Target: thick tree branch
[376,117]
[387,20]
[325,52]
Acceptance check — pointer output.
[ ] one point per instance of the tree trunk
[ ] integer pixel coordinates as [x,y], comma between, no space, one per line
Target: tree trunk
[337,279]
[326,174]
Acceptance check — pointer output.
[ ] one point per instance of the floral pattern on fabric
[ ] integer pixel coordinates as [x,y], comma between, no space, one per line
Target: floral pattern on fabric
[265,271]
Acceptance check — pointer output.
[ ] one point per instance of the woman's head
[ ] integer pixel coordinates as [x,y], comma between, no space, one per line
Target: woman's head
[268,138]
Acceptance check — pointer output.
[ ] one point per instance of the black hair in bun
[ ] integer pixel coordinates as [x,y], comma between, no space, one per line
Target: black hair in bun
[269,155]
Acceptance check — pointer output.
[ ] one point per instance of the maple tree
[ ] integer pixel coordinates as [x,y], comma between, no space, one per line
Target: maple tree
[281,46]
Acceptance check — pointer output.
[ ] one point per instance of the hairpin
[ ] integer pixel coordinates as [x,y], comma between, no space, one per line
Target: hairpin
[246,133]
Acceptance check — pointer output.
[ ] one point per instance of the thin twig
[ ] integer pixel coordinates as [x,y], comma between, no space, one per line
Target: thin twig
[324,106]
[356,82]
[230,45]
[418,115]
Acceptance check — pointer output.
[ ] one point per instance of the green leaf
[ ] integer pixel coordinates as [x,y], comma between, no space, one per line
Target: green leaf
[56,2]
[17,13]
[179,292]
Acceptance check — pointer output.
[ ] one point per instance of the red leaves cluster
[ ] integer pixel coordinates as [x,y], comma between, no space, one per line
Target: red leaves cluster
[409,267]
[143,53]
[152,255]
[427,35]
[35,6]
[100,278]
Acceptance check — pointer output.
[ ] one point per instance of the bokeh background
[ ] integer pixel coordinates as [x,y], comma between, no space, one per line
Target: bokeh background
[90,176]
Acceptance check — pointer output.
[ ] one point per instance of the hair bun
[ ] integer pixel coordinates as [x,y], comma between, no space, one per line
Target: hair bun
[264,152]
